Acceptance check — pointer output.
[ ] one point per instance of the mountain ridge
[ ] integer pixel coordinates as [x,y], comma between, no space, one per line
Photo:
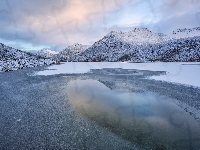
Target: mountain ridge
[138,45]
[142,45]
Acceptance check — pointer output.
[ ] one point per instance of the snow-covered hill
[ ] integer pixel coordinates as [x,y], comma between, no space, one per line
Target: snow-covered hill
[185,33]
[71,52]
[46,53]
[138,36]
[138,45]
[13,59]
[141,45]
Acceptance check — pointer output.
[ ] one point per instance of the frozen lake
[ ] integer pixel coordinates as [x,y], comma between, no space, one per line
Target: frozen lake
[152,114]
[144,118]
[181,72]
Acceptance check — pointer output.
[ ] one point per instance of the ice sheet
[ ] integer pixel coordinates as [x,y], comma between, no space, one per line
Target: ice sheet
[181,72]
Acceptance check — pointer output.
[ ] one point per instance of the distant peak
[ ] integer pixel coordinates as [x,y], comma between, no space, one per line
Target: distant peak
[76,44]
[135,30]
[185,33]
[115,32]
[187,29]
[46,50]
[140,29]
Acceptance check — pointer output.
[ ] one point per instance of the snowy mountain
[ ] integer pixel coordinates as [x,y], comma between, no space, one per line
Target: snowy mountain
[138,36]
[183,49]
[46,53]
[185,33]
[13,59]
[71,52]
[138,45]
[141,45]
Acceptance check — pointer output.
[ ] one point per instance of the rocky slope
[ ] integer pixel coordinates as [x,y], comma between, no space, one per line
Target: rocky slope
[13,59]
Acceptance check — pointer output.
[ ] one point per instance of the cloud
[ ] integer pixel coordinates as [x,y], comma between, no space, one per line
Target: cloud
[180,14]
[51,22]
[57,24]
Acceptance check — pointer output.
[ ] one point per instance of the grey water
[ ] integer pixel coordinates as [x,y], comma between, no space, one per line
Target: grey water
[144,118]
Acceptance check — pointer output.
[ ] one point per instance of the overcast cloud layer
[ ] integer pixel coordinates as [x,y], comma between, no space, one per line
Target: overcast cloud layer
[37,24]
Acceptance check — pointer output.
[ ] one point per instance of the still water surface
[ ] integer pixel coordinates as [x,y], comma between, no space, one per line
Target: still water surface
[145,118]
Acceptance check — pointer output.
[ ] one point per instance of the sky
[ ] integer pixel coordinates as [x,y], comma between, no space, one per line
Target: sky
[36,24]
